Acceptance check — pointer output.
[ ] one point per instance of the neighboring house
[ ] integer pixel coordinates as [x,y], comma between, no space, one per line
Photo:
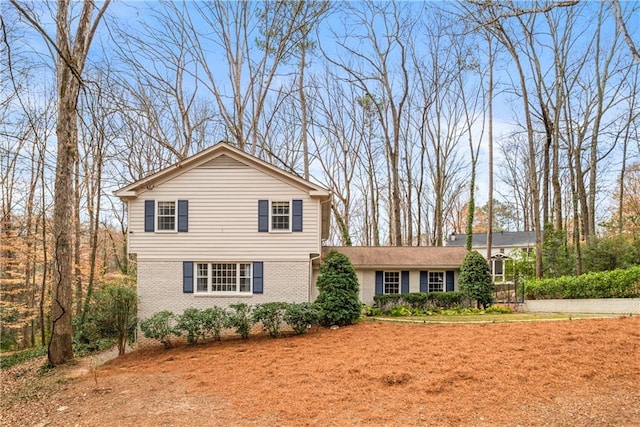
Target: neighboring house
[222,227]
[403,269]
[504,246]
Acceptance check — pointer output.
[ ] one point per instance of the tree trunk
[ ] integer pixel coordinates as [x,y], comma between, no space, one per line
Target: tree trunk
[71,60]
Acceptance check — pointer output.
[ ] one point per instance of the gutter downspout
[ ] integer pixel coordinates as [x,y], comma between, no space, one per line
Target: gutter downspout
[312,257]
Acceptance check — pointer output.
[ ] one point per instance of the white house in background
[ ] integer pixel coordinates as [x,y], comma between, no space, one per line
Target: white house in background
[222,227]
[403,269]
[504,246]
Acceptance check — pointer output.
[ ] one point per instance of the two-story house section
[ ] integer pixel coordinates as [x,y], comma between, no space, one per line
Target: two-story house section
[222,227]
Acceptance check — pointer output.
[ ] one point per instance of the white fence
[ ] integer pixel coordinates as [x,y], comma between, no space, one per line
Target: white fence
[593,306]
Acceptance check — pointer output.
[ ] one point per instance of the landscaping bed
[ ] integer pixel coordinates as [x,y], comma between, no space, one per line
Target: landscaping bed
[569,373]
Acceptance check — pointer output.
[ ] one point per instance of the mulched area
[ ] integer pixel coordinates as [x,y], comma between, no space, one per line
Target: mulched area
[563,373]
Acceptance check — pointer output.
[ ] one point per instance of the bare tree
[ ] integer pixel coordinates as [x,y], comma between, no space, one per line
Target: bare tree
[72,49]
[371,57]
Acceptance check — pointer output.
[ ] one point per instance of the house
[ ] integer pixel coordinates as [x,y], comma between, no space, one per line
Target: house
[223,227]
[505,246]
[403,269]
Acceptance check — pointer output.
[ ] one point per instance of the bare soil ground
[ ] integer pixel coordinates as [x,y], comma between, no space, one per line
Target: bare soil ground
[563,373]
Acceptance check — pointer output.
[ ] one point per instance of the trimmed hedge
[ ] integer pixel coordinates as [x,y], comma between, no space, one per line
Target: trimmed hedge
[419,300]
[607,284]
[201,325]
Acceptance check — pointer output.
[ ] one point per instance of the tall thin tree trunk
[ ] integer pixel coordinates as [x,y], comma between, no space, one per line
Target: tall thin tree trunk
[490,142]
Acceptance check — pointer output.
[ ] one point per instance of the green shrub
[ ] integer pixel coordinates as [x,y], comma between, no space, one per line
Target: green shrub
[386,302]
[302,316]
[338,286]
[400,311]
[494,309]
[214,320]
[608,284]
[417,301]
[446,299]
[475,279]
[241,319]
[110,317]
[192,322]
[115,313]
[271,315]
[160,326]
[369,311]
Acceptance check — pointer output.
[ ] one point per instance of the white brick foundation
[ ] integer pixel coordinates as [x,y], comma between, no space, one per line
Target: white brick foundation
[160,287]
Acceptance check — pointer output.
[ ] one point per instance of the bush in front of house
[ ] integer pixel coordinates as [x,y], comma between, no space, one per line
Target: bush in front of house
[338,287]
[241,319]
[271,316]
[192,322]
[425,301]
[200,325]
[302,317]
[214,320]
[161,327]
[622,283]
[475,279]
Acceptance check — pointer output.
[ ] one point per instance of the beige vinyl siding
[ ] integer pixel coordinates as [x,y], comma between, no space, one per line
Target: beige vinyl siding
[367,281]
[223,199]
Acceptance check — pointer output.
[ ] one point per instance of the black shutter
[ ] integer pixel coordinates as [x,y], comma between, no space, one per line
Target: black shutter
[149,215]
[424,281]
[263,215]
[183,215]
[297,215]
[258,277]
[379,284]
[450,281]
[404,282]
[187,277]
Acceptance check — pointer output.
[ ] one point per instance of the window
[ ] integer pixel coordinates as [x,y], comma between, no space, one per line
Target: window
[391,282]
[228,278]
[166,216]
[280,216]
[498,267]
[436,281]
[202,278]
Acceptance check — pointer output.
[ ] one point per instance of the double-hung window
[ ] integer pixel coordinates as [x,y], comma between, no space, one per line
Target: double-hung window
[436,281]
[280,216]
[223,278]
[391,283]
[166,216]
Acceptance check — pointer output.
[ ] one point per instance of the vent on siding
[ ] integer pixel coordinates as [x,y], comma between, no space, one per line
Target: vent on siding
[223,162]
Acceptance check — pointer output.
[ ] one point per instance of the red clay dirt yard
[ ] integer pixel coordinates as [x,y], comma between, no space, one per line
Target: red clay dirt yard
[562,373]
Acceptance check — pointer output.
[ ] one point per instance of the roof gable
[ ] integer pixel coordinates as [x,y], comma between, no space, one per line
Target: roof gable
[218,155]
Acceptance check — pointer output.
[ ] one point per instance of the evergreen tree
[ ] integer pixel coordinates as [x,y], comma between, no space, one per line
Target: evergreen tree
[338,286]
[475,279]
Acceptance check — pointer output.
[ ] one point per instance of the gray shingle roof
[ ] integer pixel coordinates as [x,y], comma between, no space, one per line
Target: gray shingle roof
[507,239]
[402,256]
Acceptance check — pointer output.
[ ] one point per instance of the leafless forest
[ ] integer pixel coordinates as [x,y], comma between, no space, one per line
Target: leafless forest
[423,119]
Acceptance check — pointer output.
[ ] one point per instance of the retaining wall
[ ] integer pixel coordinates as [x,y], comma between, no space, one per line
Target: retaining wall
[595,306]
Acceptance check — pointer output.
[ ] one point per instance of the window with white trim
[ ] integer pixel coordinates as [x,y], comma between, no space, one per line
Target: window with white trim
[166,216]
[280,216]
[223,278]
[436,281]
[391,282]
